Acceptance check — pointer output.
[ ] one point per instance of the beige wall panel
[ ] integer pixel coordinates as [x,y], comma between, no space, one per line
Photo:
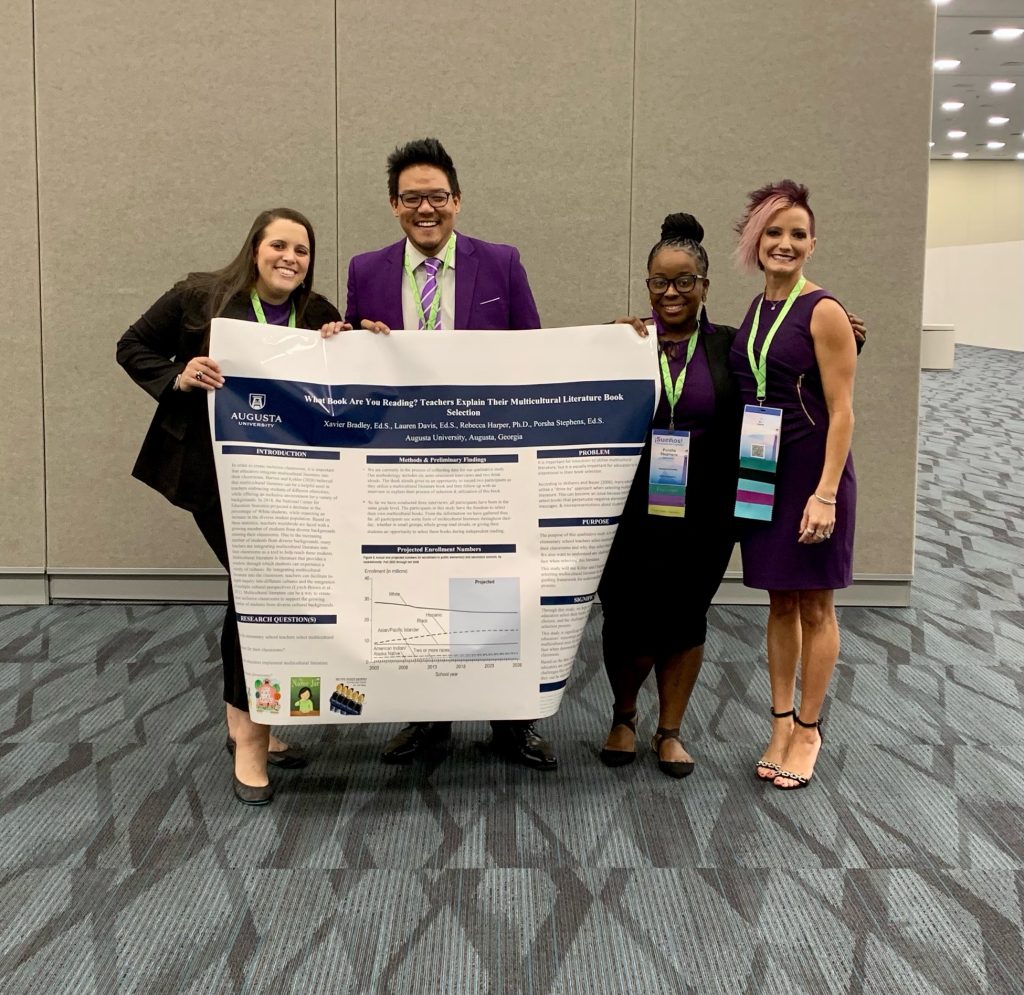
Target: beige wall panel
[163,131]
[975,203]
[533,101]
[837,96]
[23,536]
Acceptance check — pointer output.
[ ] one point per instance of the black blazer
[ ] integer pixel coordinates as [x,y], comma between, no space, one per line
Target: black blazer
[176,458]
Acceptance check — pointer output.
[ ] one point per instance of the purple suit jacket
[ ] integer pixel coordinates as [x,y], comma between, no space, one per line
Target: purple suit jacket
[491,289]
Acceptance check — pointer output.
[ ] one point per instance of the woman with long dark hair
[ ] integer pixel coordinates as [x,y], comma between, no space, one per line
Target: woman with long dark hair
[166,352]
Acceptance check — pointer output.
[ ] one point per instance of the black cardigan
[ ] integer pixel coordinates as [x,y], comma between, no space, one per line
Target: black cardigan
[710,493]
[176,458]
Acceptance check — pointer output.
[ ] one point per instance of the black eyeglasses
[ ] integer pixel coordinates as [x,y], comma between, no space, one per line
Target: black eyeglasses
[437,198]
[684,283]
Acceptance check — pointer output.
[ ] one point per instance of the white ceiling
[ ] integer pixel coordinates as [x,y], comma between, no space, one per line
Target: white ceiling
[982,60]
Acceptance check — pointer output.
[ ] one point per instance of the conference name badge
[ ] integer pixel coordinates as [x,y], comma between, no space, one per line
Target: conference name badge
[670,461]
[759,456]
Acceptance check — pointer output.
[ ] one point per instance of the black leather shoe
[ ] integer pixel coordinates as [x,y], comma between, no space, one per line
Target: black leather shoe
[413,739]
[519,741]
[290,758]
[249,795]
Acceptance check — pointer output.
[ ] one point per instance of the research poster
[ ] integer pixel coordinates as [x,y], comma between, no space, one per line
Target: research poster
[417,523]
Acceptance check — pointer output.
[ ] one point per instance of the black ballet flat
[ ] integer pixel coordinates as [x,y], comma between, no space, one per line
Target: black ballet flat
[673,768]
[290,758]
[620,758]
[249,794]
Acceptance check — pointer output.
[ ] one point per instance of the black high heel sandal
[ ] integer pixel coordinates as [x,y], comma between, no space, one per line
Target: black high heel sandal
[767,764]
[673,768]
[619,758]
[801,781]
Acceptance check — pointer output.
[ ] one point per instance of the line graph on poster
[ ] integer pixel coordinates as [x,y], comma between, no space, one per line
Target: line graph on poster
[476,619]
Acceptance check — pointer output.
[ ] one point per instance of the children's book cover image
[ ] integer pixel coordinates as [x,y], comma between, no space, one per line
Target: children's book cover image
[265,695]
[347,700]
[305,697]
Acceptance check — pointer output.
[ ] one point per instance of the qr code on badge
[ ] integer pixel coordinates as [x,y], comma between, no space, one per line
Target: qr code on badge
[757,450]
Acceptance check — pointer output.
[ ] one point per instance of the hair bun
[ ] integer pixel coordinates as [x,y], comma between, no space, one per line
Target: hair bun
[682,226]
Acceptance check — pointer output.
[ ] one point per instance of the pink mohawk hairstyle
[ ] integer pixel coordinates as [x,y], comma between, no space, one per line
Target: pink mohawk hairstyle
[762,205]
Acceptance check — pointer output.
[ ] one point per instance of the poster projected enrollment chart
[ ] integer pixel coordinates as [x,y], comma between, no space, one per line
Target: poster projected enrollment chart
[417,523]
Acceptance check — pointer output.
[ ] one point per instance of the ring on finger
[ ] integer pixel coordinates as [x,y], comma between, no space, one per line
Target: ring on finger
[199,375]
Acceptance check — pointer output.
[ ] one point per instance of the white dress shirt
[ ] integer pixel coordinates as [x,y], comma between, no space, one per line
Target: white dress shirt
[445,284]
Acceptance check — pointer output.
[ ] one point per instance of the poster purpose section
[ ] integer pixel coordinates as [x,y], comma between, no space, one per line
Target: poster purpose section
[417,523]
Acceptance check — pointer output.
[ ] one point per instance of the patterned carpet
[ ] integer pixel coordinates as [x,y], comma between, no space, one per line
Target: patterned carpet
[127,866]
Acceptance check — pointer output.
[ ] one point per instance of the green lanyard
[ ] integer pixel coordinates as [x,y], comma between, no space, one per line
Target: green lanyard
[429,321]
[257,306]
[759,366]
[674,392]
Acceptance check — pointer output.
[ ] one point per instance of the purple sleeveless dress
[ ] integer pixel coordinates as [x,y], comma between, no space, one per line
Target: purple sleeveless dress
[773,560]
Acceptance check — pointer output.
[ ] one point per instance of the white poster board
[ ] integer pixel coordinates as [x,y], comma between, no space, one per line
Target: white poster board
[417,523]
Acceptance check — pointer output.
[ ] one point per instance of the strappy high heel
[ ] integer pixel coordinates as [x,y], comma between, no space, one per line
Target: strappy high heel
[767,764]
[673,768]
[801,781]
[619,758]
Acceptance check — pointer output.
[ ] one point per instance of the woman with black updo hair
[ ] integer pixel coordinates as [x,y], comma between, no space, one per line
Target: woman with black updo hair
[678,560]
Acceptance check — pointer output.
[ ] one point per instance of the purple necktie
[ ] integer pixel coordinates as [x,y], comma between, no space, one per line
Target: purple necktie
[429,291]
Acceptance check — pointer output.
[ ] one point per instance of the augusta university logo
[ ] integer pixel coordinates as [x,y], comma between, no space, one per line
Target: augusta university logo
[257,402]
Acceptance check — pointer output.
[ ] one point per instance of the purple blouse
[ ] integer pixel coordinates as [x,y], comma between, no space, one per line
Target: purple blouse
[276,314]
[695,409]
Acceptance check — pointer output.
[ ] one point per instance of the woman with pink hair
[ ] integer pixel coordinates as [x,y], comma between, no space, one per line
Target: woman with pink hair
[794,358]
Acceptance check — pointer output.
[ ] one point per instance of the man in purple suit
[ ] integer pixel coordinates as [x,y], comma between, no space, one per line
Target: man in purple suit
[436,278]
[481,284]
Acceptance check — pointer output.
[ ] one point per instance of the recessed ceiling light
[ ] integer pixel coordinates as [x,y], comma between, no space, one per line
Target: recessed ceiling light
[940,3]
[960,155]
[997,120]
[1001,86]
[931,145]
[995,145]
[946,63]
[953,105]
[1020,155]
[955,134]
[1008,34]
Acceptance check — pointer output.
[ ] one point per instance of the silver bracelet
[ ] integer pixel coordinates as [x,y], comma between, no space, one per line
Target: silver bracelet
[818,497]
